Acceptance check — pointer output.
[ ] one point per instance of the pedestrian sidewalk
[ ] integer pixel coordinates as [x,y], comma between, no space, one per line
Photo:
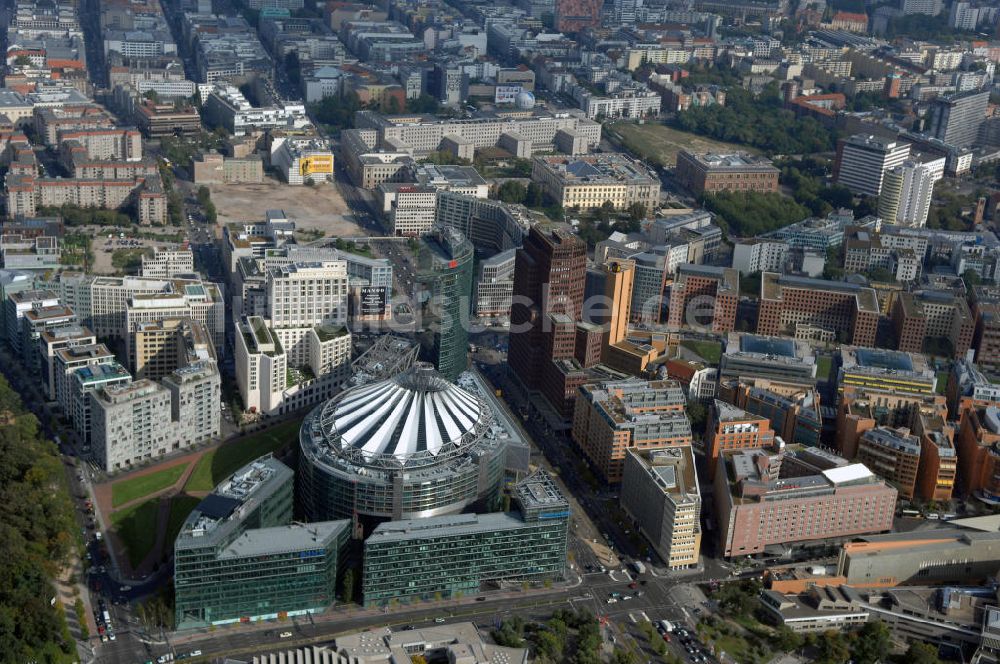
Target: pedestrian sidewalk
[70,586]
[401,613]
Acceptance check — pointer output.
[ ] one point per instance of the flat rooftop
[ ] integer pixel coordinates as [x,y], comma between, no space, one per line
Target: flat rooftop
[732,161]
[672,469]
[759,344]
[223,510]
[438,527]
[772,285]
[884,359]
[597,169]
[284,539]
[539,491]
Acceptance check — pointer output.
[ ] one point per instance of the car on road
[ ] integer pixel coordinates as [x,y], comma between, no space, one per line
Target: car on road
[285,635]
[439,620]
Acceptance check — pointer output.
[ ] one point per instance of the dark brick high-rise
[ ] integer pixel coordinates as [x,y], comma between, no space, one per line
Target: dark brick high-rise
[549,275]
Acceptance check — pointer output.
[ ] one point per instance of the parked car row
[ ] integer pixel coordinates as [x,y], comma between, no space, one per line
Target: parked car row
[104,627]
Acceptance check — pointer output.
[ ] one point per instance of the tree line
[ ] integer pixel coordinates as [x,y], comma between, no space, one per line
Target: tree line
[337,112]
[36,526]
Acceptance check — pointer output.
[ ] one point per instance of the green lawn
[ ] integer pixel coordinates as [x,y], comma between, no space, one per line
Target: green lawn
[740,649]
[710,351]
[218,464]
[659,144]
[942,382]
[137,527]
[130,489]
[824,363]
[180,508]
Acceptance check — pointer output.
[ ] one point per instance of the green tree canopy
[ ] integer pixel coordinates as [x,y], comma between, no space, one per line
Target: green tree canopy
[761,122]
[748,214]
[36,522]
[921,653]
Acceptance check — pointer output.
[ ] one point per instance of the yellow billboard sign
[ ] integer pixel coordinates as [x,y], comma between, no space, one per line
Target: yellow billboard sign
[322,164]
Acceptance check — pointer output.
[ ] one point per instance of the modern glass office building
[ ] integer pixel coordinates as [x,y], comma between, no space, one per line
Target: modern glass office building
[444,269]
[450,556]
[239,558]
[411,446]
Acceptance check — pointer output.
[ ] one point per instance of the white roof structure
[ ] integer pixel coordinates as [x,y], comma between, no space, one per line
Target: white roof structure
[415,411]
[849,473]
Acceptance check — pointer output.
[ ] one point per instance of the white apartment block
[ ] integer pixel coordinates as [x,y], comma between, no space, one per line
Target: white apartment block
[78,374]
[963,16]
[128,424]
[630,104]
[409,209]
[907,191]
[495,286]
[308,294]
[863,160]
[139,44]
[195,395]
[66,360]
[425,135]
[299,354]
[272,381]
[102,302]
[929,7]
[227,107]
[167,264]
[750,256]
[54,339]
[18,304]
[144,420]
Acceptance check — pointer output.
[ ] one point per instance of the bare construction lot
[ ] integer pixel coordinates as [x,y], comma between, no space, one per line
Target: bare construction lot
[320,207]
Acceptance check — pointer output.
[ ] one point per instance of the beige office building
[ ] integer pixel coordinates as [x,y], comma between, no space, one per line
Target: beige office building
[660,493]
[160,347]
[586,182]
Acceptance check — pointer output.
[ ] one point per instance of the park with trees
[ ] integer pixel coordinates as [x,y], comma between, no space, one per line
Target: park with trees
[36,538]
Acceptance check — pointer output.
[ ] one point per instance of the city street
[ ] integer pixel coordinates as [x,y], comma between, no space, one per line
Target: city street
[661,599]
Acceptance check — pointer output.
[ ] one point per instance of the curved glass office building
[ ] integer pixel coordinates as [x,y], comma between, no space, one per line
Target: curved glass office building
[414,445]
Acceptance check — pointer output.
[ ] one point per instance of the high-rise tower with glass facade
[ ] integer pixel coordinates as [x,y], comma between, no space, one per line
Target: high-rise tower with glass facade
[444,271]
